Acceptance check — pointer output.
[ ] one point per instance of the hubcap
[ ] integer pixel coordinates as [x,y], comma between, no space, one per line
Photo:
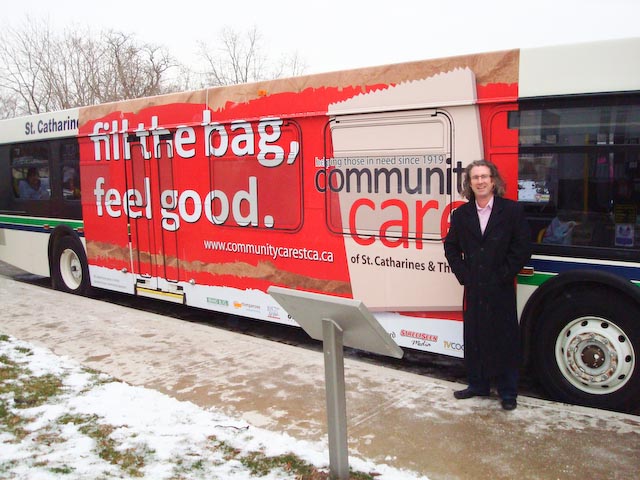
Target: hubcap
[70,269]
[595,355]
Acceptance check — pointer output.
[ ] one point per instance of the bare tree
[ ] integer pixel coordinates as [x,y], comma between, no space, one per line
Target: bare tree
[21,66]
[41,71]
[137,70]
[289,66]
[44,72]
[238,58]
[8,106]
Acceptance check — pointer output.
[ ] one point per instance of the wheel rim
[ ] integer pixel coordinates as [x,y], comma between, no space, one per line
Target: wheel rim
[595,355]
[71,269]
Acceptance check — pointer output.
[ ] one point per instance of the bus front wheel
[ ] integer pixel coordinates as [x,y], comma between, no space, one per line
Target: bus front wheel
[70,270]
[587,348]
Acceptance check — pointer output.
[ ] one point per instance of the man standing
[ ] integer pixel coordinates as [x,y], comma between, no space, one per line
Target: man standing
[487,245]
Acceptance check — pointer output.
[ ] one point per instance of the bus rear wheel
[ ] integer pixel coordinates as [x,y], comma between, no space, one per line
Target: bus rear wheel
[70,269]
[587,350]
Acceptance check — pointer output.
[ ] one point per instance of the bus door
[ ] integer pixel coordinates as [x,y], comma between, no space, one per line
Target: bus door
[154,249]
[390,182]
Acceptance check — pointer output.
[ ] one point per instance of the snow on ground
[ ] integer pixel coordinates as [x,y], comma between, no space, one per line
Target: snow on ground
[175,439]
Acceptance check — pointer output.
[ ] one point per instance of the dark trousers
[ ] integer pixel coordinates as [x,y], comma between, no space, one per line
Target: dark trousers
[506,383]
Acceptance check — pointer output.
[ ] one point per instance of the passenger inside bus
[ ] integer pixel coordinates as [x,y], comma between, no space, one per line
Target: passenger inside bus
[558,232]
[34,187]
[70,183]
[582,200]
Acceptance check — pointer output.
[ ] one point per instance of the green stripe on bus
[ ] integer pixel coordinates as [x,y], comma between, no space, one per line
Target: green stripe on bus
[536,279]
[40,222]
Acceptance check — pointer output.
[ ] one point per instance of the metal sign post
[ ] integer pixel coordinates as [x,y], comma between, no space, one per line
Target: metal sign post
[336,399]
[338,322]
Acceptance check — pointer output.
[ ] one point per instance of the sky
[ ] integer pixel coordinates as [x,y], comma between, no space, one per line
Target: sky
[173,435]
[334,35]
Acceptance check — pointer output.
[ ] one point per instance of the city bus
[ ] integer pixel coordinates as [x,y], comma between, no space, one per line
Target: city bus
[343,184]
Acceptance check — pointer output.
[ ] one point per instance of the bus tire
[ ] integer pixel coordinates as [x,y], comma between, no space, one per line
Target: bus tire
[587,347]
[70,269]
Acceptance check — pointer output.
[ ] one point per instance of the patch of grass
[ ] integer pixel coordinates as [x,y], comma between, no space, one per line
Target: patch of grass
[36,391]
[68,418]
[228,452]
[6,467]
[182,467]
[98,378]
[62,470]
[9,370]
[24,351]
[20,390]
[130,460]
[28,390]
[11,422]
[48,438]
[261,465]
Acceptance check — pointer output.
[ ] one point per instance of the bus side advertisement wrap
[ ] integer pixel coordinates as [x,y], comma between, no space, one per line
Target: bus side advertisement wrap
[191,196]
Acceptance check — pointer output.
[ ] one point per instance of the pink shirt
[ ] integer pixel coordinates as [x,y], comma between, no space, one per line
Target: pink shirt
[484,214]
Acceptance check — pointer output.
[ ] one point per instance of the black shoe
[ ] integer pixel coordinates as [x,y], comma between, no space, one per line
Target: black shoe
[468,393]
[509,403]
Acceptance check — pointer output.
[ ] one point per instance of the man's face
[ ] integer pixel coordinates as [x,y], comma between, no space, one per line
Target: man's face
[481,182]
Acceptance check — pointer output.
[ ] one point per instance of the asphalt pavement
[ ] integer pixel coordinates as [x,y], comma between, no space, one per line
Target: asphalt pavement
[406,420]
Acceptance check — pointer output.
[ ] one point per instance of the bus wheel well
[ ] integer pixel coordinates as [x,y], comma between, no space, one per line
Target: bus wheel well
[583,339]
[61,233]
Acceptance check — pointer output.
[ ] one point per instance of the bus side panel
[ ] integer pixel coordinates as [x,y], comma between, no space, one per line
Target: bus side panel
[352,199]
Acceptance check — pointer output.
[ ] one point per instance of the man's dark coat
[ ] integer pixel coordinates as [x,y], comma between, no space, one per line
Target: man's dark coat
[487,264]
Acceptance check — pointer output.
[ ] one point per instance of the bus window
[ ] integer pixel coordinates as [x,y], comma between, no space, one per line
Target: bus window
[579,175]
[70,174]
[30,172]
[256,166]
[382,163]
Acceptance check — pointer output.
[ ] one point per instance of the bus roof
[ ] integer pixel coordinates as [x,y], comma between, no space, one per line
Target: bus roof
[596,67]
